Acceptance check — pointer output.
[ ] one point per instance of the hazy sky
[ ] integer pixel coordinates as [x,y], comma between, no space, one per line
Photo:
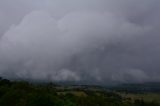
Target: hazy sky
[92,41]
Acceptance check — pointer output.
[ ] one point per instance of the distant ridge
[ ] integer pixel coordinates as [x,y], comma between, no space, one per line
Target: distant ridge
[138,87]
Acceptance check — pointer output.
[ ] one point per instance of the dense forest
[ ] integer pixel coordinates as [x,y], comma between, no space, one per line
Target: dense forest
[21,93]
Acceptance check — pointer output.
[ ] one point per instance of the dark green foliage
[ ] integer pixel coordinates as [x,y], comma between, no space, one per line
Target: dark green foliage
[26,94]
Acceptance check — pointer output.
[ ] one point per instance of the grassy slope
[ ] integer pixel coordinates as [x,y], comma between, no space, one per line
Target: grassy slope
[148,97]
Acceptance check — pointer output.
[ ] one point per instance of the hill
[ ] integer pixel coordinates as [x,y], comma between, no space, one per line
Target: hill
[20,93]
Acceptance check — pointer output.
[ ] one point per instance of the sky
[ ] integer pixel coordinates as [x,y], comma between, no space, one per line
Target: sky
[85,41]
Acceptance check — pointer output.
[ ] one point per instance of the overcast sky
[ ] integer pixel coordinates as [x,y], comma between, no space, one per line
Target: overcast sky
[91,41]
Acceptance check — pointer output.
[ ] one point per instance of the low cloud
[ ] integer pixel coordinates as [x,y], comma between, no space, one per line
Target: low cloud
[89,41]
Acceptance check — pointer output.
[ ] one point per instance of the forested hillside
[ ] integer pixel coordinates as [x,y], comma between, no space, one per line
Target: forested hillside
[19,93]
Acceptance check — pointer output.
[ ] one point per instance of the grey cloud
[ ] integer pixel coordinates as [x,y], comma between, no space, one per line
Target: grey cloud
[92,41]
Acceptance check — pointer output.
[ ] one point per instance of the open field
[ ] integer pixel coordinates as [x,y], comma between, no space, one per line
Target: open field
[147,97]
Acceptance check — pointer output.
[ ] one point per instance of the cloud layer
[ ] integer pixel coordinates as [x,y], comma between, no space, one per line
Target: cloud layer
[91,41]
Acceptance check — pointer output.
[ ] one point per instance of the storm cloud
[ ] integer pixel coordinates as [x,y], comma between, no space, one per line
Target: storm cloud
[91,41]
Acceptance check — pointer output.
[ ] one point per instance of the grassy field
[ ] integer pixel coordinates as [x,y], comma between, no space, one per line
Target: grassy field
[147,97]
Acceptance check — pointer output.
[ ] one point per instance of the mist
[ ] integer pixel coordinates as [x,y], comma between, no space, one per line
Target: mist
[87,41]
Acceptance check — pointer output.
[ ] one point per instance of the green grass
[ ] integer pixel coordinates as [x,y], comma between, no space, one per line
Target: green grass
[147,97]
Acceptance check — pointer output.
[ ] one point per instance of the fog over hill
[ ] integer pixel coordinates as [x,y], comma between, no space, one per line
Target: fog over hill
[91,41]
